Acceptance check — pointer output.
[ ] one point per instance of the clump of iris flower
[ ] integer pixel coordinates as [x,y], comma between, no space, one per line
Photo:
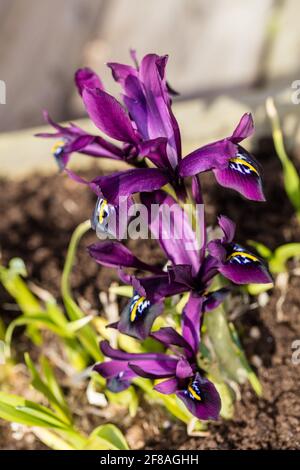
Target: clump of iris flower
[179,368]
[144,126]
[142,131]
[189,268]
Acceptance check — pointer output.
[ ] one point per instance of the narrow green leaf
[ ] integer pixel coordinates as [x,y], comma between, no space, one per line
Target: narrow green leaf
[112,434]
[58,404]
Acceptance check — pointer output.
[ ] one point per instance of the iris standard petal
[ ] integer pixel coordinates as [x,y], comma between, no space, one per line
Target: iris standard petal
[183,369]
[244,129]
[108,115]
[191,321]
[170,225]
[87,78]
[228,228]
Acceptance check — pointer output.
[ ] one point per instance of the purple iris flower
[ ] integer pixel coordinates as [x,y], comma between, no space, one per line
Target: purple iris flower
[72,138]
[234,261]
[233,166]
[180,369]
[191,268]
[188,272]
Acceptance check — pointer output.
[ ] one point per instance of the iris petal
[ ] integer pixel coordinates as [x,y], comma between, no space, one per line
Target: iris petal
[201,398]
[138,316]
[243,267]
[242,174]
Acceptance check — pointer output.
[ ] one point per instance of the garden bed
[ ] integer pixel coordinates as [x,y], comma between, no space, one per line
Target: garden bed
[39,216]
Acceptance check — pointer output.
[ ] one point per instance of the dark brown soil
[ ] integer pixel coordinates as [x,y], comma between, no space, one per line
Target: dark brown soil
[38,217]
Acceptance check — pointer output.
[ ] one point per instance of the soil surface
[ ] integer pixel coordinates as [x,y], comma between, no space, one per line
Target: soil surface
[38,218]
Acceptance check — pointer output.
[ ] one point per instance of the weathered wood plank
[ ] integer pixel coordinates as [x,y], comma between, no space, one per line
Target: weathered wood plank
[210,42]
[41,43]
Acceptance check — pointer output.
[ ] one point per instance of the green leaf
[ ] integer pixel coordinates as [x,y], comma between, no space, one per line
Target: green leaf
[16,409]
[51,439]
[282,254]
[86,335]
[111,434]
[290,175]
[49,389]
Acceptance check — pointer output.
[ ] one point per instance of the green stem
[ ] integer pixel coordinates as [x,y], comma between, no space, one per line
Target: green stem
[70,259]
[291,177]
[87,334]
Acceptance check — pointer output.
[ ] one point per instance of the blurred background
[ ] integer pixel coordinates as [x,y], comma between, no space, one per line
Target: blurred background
[226,56]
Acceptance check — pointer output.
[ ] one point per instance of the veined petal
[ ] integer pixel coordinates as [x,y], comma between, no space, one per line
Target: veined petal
[161,121]
[168,336]
[215,155]
[156,288]
[244,129]
[242,174]
[183,369]
[228,228]
[243,267]
[114,254]
[170,225]
[125,183]
[191,321]
[138,317]
[87,78]
[119,355]
[117,374]
[167,387]
[154,369]
[121,72]
[201,398]
[108,115]
[110,368]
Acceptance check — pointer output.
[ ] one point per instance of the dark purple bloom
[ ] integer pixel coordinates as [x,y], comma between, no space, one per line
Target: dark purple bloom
[118,188]
[73,139]
[191,271]
[232,165]
[146,96]
[234,261]
[180,369]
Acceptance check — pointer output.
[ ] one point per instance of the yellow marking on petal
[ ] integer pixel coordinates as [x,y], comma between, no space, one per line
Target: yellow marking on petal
[103,206]
[134,310]
[244,162]
[242,253]
[57,145]
[194,393]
